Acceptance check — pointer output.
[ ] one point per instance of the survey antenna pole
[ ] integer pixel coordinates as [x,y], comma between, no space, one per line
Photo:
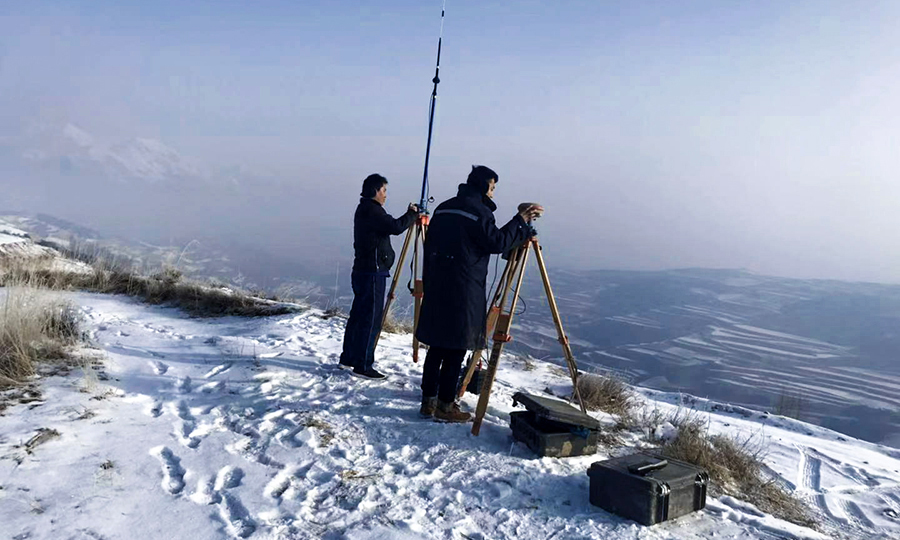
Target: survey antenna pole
[423,203]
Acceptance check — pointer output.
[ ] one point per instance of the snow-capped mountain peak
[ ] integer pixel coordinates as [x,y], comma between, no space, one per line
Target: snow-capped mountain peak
[151,160]
[138,159]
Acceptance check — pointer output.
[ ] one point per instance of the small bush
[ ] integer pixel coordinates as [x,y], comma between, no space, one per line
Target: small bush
[34,327]
[790,404]
[606,393]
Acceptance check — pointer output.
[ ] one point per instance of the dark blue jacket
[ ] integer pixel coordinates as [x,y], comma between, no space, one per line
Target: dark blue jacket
[460,240]
[372,230]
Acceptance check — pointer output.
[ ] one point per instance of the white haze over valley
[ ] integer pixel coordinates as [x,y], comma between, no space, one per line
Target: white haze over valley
[756,137]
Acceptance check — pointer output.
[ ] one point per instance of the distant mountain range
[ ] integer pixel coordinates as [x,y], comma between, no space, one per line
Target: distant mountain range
[76,152]
[144,190]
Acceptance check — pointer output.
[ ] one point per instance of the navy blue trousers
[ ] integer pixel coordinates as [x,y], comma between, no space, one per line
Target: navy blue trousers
[364,323]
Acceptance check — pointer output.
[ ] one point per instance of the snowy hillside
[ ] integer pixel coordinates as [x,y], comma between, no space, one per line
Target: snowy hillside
[18,247]
[16,242]
[206,429]
[11,235]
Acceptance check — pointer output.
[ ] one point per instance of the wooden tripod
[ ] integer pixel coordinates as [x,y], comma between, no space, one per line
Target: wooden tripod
[415,235]
[500,320]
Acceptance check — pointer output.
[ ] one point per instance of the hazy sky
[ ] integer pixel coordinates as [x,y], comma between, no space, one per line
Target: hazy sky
[760,135]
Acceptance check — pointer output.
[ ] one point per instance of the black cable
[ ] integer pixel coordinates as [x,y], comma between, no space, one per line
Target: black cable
[423,203]
[493,281]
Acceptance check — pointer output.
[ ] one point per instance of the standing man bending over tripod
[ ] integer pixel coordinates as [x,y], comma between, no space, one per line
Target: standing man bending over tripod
[461,238]
[373,258]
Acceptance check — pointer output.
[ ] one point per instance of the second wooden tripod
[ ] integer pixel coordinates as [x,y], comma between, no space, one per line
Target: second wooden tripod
[500,321]
[415,235]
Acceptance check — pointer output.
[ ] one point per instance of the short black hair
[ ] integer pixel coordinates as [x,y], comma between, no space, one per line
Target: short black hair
[372,184]
[480,178]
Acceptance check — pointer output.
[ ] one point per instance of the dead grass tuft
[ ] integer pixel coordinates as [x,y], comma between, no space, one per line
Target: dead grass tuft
[395,324]
[326,430]
[606,393]
[43,436]
[332,312]
[528,363]
[790,404]
[34,326]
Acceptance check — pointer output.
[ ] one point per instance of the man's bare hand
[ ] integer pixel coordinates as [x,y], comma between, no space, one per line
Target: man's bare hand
[530,211]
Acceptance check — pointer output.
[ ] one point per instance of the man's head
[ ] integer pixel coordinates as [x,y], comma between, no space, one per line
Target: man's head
[375,187]
[482,179]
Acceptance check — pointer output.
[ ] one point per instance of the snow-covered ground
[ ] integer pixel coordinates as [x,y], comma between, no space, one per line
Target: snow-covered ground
[18,244]
[245,428]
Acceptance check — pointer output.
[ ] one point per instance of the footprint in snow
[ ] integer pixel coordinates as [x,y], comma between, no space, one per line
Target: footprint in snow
[228,477]
[218,370]
[236,516]
[212,387]
[206,493]
[183,385]
[155,408]
[173,473]
[160,368]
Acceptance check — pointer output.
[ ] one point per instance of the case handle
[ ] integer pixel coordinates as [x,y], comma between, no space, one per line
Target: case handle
[645,468]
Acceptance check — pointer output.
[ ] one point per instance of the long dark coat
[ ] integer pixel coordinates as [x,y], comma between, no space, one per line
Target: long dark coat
[460,240]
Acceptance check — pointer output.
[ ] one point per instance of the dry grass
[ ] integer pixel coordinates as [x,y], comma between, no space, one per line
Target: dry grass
[528,363]
[164,287]
[333,311]
[790,404]
[326,431]
[606,393]
[394,324]
[34,326]
[735,465]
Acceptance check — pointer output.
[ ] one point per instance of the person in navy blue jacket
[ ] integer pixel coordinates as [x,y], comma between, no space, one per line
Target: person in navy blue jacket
[458,247]
[372,261]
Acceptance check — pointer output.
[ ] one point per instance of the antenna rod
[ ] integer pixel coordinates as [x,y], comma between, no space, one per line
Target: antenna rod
[423,203]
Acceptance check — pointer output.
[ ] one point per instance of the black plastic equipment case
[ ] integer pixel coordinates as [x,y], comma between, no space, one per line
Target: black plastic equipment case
[648,488]
[475,383]
[553,428]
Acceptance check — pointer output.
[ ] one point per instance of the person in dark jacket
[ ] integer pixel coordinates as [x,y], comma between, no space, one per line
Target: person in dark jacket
[373,258]
[460,240]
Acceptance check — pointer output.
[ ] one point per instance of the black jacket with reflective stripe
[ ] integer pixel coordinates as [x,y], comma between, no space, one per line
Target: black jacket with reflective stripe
[461,238]
[372,230]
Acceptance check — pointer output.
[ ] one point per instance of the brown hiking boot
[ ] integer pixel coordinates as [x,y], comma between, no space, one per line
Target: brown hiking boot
[428,406]
[449,412]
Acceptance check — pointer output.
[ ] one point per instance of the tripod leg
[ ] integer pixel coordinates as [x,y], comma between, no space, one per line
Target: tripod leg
[501,338]
[493,313]
[563,339]
[418,287]
[397,272]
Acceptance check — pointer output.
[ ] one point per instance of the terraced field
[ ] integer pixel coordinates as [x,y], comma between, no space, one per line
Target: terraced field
[825,351]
